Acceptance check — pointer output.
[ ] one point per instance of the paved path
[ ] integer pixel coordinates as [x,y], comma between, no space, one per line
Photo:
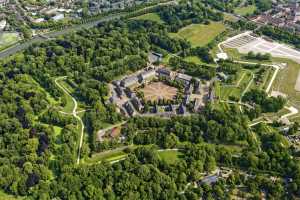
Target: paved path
[234,102]
[74,113]
[293,111]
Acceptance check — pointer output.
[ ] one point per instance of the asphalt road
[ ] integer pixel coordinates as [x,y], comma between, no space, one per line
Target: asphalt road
[21,46]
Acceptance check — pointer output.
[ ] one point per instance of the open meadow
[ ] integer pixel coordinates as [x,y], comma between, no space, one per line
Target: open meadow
[245,10]
[200,34]
[8,39]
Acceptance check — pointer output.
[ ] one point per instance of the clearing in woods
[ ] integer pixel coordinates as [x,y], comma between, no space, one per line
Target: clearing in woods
[200,34]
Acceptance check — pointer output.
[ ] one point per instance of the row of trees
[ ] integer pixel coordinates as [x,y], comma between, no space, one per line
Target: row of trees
[280,35]
[192,69]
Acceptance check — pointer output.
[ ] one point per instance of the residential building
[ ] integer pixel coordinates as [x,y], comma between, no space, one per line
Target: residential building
[147,75]
[164,73]
[2,24]
[182,109]
[209,180]
[155,57]
[186,79]
[189,89]
[3,3]
[129,93]
[137,104]
[197,87]
[197,104]
[186,100]
[119,91]
[129,109]
[129,81]
[58,17]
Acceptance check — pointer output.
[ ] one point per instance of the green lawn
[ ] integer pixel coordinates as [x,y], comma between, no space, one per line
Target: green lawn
[247,10]
[150,16]
[200,34]
[113,155]
[229,17]
[57,130]
[7,39]
[224,91]
[197,60]
[193,59]
[286,80]
[170,156]
[69,102]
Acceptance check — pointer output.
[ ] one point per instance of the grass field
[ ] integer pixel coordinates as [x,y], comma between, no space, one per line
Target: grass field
[114,155]
[170,156]
[286,79]
[236,89]
[150,16]
[57,130]
[197,60]
[7,39]
[200,34]
[248,10]
[69,102]
[230,17]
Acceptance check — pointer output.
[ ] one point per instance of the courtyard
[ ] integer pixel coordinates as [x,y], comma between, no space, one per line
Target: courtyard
[159,90]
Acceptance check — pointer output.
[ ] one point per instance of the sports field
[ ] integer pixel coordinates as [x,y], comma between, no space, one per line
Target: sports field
[7,39]
[159,90]
[200,34]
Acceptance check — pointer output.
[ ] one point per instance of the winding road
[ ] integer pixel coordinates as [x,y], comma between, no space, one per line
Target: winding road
[74,113]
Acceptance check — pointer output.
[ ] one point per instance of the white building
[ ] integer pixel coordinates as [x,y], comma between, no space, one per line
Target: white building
[2,24]
[58,17]
[3,3]
[222,56]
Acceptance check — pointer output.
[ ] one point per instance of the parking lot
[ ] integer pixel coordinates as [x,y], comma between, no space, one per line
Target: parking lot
[247,42]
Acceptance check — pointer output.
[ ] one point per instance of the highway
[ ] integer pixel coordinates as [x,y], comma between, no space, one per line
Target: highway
[21,46]
[40,38]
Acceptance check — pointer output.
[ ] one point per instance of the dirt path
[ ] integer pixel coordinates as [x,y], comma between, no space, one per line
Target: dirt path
[74,113]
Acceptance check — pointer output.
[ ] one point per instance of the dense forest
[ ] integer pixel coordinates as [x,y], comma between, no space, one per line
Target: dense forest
[39,163]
